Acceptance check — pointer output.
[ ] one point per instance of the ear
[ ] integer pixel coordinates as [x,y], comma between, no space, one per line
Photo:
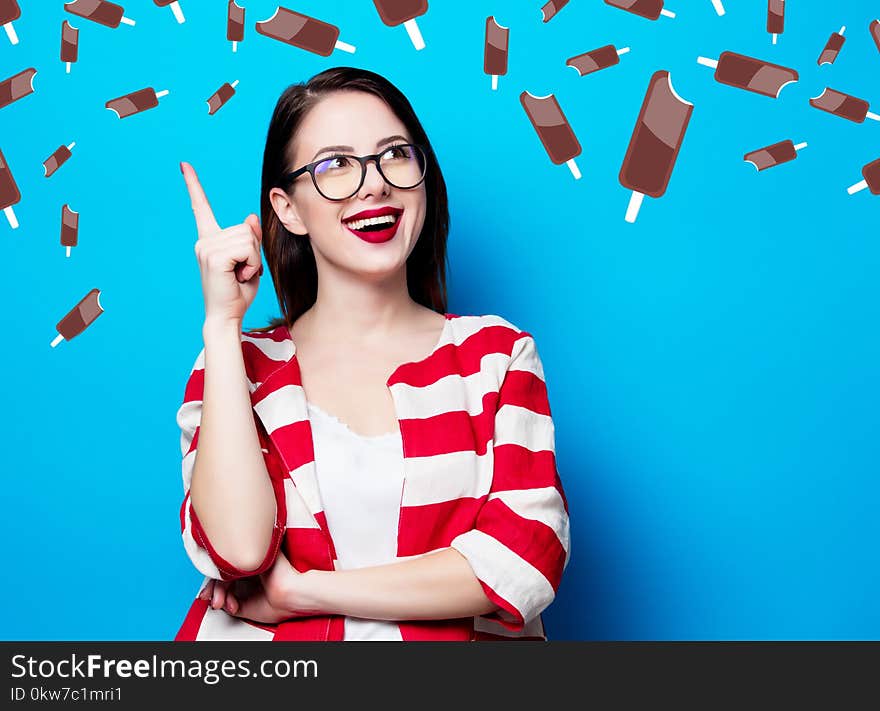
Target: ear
[287,211]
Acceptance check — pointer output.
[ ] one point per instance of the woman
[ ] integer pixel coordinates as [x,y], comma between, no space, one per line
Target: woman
[407,488]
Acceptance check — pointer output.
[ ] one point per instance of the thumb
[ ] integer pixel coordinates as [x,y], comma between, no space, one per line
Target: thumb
[254,223]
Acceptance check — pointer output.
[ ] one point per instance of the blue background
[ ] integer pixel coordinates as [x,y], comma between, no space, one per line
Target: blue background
[712,368]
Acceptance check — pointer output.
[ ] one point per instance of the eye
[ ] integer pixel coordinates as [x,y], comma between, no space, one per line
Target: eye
[401,150]
[333,163]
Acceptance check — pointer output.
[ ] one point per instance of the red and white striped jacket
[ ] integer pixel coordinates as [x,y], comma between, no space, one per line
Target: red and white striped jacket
[479,476]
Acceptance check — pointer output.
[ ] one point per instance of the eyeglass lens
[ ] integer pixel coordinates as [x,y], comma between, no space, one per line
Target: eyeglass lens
[338,177]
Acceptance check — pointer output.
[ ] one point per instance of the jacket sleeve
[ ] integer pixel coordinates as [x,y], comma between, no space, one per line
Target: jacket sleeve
[200,550]
[520,544]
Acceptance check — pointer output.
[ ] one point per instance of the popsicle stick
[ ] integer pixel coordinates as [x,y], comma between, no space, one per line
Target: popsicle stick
[719,8]
[667,13]
[774,38]
[127,21]
[494,82]
[861,185]
[70,147]
[10,32]
[412,29]
[345,47]
[872,115]
[234,84]
[635,204]
[10,215]
[622,50]
[160,94]
[68,251]
[706,62]
[572,166]
[798,146]
[178,13]
[68,67]
[57,340]
[234,45]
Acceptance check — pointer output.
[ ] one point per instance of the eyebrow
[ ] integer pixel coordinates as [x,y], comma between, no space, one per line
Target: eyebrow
[379,144]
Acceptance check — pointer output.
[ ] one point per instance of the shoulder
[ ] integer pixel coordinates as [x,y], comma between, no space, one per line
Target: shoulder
[489,332]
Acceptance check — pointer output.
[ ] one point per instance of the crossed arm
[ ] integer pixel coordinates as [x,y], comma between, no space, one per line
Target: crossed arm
[439,585]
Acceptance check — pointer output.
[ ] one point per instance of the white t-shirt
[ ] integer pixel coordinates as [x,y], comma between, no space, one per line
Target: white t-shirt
[360,480]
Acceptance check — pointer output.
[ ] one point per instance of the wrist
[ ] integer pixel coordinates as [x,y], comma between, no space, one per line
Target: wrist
[308,594]
[213,327]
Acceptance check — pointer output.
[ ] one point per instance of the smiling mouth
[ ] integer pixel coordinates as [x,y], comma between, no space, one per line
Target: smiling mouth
[377,229]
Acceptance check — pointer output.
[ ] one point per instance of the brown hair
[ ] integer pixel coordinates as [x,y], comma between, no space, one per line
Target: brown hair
[289,257]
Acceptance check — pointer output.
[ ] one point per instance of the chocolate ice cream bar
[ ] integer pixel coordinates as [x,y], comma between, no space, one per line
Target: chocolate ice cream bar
[651,9]
[495,50]
[303,31]
[69,43]
[79,317]
[548,12]
[221,96]
[405,12]
[775,18]
[9,11]
[104,13]
[17,86]
[871,175]
[234,24]
[773,155]
[750,74]
[57,159]
[175,8]
[655,143]
[9,194]
[135,102]
[553,129]
[596,59]
[832,47]
[874,29]
[69,227]
[843,105]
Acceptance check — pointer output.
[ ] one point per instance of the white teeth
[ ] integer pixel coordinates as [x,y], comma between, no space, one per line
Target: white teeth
[381,220]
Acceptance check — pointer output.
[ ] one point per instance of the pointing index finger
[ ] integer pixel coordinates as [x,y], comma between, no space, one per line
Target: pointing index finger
[201,208]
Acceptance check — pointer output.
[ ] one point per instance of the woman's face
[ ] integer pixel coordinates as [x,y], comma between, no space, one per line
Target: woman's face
[361,122]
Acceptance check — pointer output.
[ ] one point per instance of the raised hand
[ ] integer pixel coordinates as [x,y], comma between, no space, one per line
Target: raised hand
[229,259]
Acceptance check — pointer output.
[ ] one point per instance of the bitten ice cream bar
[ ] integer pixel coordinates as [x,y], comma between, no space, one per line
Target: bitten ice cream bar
[775,18]
[651,9]
[843,105]
[553,129]
[303,31]
[69,43]
[175,8]
[655,143]
[871,174]
[832,47]
[9,11]
[750,74]
[495,50]
[134,103]
[79,317]
[404,12]
[548,12]
[104,13]
[234,24]
[874,29]
[774,155]
[221,96]
[69,227]
[596,59]
[9,194]
[17,86]
[57,159]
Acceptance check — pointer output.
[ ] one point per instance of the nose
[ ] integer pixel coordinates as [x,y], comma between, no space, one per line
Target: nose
[374,183]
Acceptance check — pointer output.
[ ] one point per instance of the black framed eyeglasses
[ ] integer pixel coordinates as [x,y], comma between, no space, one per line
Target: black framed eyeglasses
[340,176]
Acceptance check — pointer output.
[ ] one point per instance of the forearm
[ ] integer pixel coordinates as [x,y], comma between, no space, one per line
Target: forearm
[437,586]
[231,491]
